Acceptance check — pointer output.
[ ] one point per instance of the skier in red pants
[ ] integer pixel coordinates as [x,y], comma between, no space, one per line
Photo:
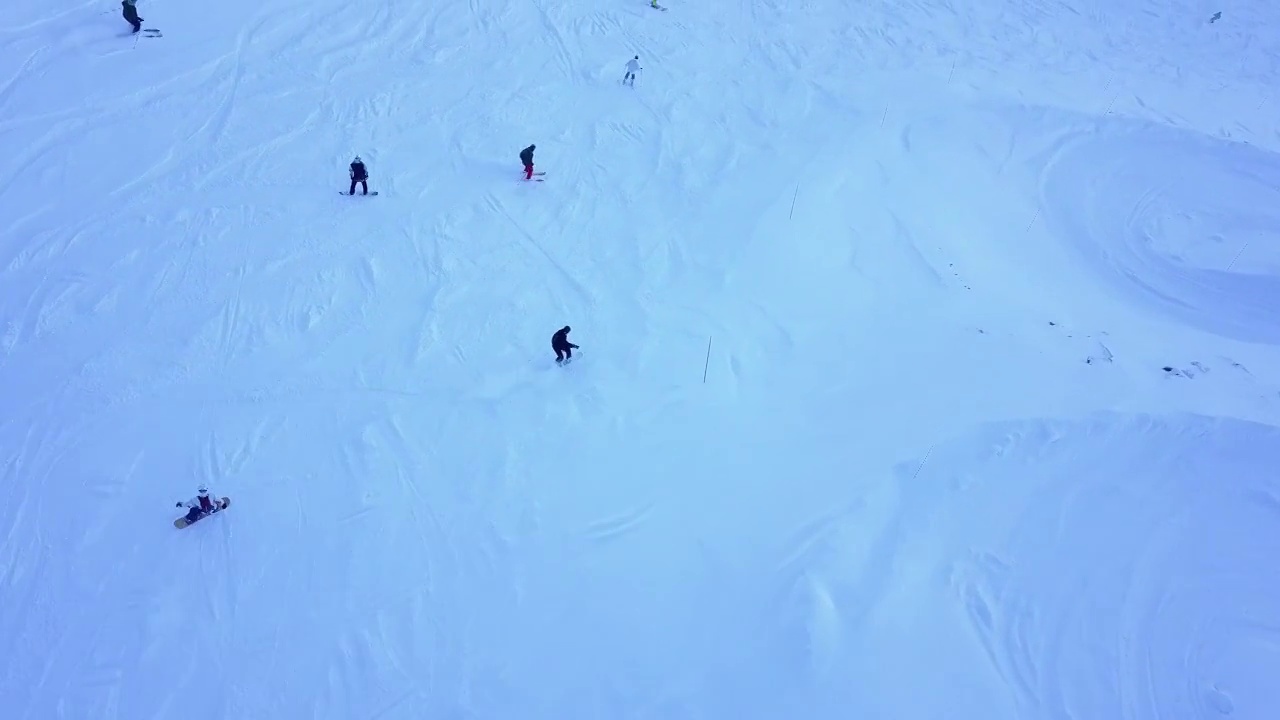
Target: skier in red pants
[526,157]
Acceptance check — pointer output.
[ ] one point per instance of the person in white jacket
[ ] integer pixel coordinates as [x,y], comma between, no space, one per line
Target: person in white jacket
[632,66]
[201,504]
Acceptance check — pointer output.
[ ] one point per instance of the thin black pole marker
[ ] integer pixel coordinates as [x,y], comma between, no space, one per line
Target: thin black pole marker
[707,364]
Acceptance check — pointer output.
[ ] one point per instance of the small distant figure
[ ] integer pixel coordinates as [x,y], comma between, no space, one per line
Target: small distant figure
[526,157]
[200,505]
[633,66]
[359,174]
[560,343]
[1215,17]
[130,10]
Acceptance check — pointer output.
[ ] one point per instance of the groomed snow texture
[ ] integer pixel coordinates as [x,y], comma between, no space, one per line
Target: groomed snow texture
[929,370]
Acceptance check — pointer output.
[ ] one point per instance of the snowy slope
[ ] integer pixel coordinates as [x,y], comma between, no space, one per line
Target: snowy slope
[984,297]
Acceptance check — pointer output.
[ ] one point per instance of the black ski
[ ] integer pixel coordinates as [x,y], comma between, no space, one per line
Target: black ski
[340,192]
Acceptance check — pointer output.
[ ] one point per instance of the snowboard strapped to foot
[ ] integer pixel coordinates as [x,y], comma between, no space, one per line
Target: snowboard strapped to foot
[222,505]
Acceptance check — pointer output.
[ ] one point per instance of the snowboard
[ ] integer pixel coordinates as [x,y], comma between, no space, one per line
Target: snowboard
[371,194]
[182,521]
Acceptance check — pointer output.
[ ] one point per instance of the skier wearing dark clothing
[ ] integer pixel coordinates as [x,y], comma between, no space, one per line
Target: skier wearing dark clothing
[130,9]
[560,343]
[526,157]
[359,174]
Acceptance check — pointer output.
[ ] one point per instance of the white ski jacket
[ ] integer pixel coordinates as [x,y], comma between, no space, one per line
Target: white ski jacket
[633,65]
[195,501]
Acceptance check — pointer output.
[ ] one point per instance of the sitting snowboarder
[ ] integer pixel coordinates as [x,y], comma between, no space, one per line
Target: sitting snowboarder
[526,157]
[200,505]
[560,343]
[130,9]
[359,174]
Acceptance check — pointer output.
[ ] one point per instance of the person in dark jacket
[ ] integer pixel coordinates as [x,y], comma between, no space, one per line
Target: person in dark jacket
[526,157]
[130,9]
[560,343]
[359,174]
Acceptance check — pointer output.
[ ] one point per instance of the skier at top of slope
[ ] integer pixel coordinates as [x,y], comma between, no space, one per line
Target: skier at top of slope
[129,9]
[201,504]
[633,65]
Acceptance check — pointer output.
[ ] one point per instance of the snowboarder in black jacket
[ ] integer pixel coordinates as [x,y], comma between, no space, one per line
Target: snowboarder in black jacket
[359,174]
[560,343]
[130,9]
[526,157]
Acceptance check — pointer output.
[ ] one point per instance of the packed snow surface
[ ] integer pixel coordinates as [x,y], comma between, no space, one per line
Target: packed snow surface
[930,360]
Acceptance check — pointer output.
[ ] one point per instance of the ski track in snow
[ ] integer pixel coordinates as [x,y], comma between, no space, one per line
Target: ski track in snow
[1200,247]
[927,243]
[1158,576]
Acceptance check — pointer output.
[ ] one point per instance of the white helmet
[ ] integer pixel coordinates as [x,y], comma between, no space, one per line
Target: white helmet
[204,489]
[357,159]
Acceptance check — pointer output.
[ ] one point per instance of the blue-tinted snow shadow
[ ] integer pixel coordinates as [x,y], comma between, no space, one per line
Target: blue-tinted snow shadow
[493,170]
[1135,200]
